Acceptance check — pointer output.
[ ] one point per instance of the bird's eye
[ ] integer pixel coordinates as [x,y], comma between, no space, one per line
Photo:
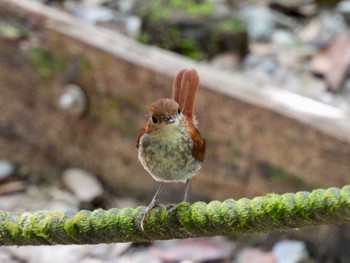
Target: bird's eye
[178,111]
[155,119]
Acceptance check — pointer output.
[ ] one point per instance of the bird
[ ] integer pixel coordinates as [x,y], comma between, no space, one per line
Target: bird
[170,147]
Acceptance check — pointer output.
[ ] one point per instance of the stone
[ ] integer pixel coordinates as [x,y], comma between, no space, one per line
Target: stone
[344,8]
[45,254]
[227,61]
[283,38]
[7,168]
[93,14]
[211,249]
[323,28]
[133,26]
[83,184]
[260,22]
[195,29]
[290,251]
[254,255]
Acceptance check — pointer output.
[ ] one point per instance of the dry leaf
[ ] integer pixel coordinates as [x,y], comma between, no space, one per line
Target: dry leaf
[333,62]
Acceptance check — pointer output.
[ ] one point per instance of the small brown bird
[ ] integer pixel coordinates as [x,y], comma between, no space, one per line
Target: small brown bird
[169,145]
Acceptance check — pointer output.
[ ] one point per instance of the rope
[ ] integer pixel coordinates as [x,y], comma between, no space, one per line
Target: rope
[261,214]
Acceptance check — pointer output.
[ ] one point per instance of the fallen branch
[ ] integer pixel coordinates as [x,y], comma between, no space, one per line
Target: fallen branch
[262,214]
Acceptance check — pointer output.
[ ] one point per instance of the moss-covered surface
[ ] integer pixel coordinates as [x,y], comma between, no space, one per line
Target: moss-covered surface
[279,175]
[46,62]
[261,214]
[191,28]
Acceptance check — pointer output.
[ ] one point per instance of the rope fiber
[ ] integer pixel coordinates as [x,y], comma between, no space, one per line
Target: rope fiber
[261,214]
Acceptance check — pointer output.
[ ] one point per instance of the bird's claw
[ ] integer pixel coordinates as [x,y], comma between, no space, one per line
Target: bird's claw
[145,212]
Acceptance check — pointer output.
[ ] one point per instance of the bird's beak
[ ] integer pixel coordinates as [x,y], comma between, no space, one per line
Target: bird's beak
[170,119]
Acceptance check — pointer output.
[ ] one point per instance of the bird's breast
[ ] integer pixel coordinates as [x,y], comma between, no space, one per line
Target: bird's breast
[168,157]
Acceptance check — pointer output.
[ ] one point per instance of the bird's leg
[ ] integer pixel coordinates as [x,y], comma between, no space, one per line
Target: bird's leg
[187,186]
[172,207]
[153,203]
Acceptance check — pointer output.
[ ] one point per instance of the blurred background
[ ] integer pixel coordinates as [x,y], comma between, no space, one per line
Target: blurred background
[76,79]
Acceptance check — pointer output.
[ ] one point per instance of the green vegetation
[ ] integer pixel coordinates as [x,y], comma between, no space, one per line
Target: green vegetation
[278,174]
[271,212]
[46,62]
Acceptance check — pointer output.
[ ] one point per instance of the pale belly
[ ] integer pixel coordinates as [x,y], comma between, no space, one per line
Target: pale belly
[168,160]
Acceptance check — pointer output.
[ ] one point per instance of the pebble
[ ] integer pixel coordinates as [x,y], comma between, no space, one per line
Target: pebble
[7,168]
[93,14]
[83,184]
[211,249]
[47,254]
[344,8]
[227,61]
[254,255]
[260,22]
[290,251]
[283,38]
[133,26]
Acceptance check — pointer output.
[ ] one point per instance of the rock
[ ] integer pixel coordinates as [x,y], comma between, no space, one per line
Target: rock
[260,22]
[344,8]
[83,184]
[7,168]
[290,251]
[61,200]
[298,9]
[228,61]
[211,249]
[253,255]
[125,6]
[7,257]
[283,38]
[139,257]
[322,29]
[10,31]
[132,26]
[196,29]
[45,254]
[72,100]
[91,14]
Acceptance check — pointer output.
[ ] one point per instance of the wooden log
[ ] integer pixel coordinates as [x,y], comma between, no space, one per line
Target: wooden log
[259,140]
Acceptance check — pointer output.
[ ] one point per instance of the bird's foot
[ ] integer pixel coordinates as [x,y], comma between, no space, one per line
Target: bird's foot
[145,212]
[172,207]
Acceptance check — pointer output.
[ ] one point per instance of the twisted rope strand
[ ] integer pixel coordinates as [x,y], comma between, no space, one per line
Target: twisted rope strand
[261,214]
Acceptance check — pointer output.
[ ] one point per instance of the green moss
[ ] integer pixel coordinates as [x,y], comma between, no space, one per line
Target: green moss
[160,29]
[126,221]
[258,212]
[302,205]
[84,62]
[199,218]
[279,175]
[117,112]
[39,221]
[232,24]
[243,209]
[13,228]
[191,49]
[215,215]
[71,225]
[143,38]
[234,150]
[274,207]
[199,9]
[192,7]
[184,214]
[159,9]
[46,62]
